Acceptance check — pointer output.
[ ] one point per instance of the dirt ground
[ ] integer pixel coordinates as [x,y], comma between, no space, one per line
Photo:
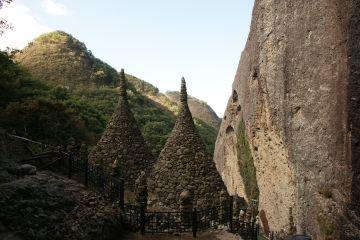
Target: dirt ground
[208,234]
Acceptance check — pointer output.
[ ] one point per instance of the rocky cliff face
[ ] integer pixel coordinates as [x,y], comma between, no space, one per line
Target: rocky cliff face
[297,90]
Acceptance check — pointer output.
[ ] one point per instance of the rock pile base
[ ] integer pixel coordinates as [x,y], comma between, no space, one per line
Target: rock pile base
[50,206]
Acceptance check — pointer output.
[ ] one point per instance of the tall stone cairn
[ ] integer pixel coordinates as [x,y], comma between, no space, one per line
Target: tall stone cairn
[122,150]
[184,163]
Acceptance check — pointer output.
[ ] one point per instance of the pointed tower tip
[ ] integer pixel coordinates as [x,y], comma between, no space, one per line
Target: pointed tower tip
[183,93]
[122,83]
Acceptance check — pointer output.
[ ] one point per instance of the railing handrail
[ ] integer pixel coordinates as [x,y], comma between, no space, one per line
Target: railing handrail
[28,140]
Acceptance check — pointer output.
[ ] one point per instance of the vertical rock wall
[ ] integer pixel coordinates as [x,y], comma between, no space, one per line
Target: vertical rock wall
[225,149]
[122,150]
[184,164]
[297,89]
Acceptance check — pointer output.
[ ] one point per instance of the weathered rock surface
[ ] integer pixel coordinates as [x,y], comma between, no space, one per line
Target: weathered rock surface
[122,150]
[297,88]
[184,164]
[27,169]
[49,206]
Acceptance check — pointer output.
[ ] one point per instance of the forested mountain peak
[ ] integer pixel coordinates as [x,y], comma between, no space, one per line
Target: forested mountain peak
[61,59]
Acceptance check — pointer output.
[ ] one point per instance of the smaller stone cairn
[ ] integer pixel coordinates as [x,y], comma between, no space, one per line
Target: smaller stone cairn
[98,158]
[224,202]
[224,197]
[83,151]
[248,214]
[241,218]
[236,209]
[140,190]
[115,168]
[185,202]
[71,147]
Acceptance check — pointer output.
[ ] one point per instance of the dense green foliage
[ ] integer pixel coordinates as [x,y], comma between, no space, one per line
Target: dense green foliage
[246,164]
[68,92]
[31,107]
[207,133]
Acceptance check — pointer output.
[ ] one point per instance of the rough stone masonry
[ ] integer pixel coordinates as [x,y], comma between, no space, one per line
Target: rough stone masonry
[122,150]
[297,88]
[184,164]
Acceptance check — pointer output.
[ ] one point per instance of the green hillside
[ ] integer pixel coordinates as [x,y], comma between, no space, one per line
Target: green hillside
[60,90]
[198,108]
[61,59]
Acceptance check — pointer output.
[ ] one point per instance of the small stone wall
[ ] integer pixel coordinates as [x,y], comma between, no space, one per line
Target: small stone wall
[12,148]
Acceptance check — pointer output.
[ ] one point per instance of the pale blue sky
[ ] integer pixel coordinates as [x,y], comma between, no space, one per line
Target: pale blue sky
[158,41]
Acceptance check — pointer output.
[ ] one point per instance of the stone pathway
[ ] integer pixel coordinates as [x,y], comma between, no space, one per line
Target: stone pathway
[208,234]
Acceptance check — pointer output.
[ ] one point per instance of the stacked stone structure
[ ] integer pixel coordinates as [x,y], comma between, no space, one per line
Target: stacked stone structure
[71,147]
[122,150]
[83,151]
[184,164]
[140,190]
[186,206]
[12,148]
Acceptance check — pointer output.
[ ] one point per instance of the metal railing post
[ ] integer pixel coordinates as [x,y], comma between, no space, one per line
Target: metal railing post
[252,231]
[70,164]
[60,159]
[231,213]
[142,218]
[194,222]
[86,174]
[111,181]
[122,194]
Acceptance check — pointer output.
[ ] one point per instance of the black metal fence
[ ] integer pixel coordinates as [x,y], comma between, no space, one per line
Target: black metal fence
[91,176]
[193,221]
[153,222]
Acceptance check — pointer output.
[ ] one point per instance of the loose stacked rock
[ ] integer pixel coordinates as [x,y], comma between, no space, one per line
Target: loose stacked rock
[122,150]
[184,164]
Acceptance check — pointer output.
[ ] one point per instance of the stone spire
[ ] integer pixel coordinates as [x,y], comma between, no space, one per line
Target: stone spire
[184,164]
[183,93]
[123,93]
[122,150]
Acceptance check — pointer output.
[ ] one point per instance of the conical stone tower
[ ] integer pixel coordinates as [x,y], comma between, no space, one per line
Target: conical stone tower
[122,150]
[184,164]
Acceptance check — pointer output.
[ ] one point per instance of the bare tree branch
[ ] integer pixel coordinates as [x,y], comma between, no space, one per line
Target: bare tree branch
[3,23]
